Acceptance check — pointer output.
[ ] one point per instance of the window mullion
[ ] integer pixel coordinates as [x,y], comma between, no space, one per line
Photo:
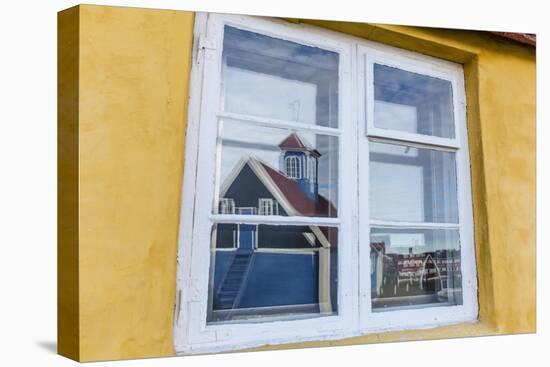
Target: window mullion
[270,122]
[419,225]
[427,143]
[273,219]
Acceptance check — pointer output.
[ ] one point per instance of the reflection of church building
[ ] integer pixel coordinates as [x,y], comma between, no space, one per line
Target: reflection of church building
[263,266]
[253,187]
[414,278]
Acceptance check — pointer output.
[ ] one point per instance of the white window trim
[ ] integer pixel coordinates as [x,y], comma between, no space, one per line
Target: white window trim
[226,203]
[293,166]
[425,65]
[267,206]
[191,334]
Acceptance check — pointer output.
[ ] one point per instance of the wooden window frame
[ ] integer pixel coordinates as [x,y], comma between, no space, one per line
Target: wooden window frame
[369,54]
[355,317]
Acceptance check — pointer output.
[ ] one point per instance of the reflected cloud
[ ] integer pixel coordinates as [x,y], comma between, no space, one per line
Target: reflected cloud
[270,77]
[412,184]
[412,102]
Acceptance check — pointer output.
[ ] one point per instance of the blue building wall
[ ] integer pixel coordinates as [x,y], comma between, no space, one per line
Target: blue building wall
[275,279]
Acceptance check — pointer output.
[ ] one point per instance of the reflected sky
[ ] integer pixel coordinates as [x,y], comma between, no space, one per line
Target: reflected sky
[412,184]
[398,241]
[412,102]
[252,93]
[270,77]
[395,116]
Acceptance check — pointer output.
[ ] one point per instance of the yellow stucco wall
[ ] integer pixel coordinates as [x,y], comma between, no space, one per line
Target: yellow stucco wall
[133,90]
[128,128]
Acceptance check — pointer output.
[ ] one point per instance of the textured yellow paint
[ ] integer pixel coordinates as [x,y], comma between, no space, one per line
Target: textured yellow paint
[445,332]
[134,68]
[507,117]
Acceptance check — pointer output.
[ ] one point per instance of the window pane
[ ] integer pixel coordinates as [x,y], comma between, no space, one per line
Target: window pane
[273,78]
[415,268]
[412,103]
[412,184]
[274,171]
[270,270]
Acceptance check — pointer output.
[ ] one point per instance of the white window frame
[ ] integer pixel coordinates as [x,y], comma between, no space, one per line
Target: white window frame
[368,55]
[227,203]
[191,332]
[293,167]
[267,206]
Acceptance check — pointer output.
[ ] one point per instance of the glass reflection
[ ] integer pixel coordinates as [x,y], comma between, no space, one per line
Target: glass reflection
[270,77]
[275,171]
[412,184]
[412,103]
[272,270]
[415,268]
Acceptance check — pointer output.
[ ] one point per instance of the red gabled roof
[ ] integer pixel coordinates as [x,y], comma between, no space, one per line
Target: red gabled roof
[297,198]
[303,204]
[526,38]
[293,141]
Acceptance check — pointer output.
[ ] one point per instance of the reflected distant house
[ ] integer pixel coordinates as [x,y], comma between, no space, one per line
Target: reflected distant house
[268,268]
[407,279]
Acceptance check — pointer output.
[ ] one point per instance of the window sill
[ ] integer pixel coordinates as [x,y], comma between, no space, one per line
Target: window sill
[448,331]
[460,330]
